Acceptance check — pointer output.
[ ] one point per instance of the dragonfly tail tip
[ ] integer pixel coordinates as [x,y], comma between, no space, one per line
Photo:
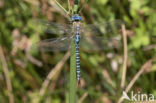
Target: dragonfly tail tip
[79,83]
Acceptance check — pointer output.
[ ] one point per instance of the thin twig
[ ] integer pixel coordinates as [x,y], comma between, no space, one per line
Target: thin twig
[83,5]
[125,56]
[55,71]
[69,5]
[149,47]
[57,6]
[107,77]
[146,66]
[61,6]
[6,74]
[34,60]
[83,97]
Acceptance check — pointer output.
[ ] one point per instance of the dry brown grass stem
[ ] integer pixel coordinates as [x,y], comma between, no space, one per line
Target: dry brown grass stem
[69,6]
[54,72]
[125,56]
[145,67]
[7,77]
[83,97]
[149,47]
[34,60]
[107,77]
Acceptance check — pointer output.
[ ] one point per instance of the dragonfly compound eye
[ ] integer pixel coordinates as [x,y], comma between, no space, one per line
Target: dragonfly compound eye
[76,18]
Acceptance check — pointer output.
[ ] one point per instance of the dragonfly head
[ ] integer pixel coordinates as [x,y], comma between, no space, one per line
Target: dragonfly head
[76,17]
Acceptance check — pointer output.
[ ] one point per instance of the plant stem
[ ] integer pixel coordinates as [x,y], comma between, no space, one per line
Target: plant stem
[61,7]
[83,5]
[7,77]
[72,92]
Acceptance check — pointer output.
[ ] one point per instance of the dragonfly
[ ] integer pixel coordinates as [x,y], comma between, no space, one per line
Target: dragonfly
[91,37]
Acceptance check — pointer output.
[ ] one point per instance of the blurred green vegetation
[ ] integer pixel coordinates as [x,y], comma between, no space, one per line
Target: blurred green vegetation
[100,79]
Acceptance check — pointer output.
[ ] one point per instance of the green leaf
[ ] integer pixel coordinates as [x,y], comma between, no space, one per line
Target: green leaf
[72,92]
[102,2]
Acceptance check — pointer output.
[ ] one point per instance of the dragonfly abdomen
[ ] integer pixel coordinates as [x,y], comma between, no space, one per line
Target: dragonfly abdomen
[78,64]
[77,39]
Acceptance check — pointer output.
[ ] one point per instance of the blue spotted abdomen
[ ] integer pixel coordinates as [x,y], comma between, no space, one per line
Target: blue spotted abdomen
[77,39]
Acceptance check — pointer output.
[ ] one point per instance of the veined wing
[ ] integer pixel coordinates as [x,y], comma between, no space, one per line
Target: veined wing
[54,44]
[94,37]
[94,43]
[105,29]
[54,28]
[95,29]
[101,36]
[87,43]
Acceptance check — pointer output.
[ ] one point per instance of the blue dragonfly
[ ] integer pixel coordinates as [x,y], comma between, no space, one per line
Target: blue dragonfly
[91,37]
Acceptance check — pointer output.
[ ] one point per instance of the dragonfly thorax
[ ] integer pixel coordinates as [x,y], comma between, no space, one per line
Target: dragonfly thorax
[77,27]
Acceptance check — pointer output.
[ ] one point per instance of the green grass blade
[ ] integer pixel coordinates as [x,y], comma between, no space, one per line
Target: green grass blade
[72,92]
[80,9]
[61,7]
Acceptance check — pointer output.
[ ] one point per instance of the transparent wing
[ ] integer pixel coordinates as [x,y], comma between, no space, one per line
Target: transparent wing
[96,29]
[87,43]
[54,28]
[93,43]
[54,44]
[101,36]
[93,37]
[105,29]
